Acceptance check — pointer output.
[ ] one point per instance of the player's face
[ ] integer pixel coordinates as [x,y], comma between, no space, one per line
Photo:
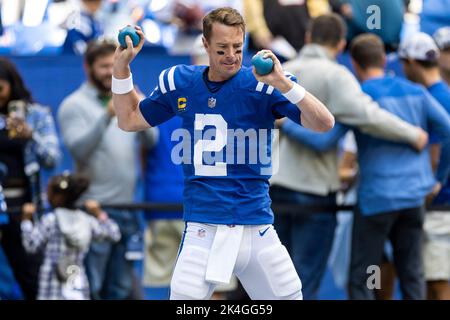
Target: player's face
[100,73]
[224,49]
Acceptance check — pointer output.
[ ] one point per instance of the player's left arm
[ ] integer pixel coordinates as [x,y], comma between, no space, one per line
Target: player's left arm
[314,115]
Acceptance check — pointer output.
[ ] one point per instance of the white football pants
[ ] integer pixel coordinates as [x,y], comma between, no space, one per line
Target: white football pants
[263,265]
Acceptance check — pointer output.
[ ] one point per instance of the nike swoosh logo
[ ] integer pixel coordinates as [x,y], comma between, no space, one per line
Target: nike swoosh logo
[262,233]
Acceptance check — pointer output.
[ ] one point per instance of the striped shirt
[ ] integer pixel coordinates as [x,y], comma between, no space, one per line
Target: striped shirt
[47,234]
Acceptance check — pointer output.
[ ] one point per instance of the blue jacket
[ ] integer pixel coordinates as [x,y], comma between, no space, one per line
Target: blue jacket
[42,150]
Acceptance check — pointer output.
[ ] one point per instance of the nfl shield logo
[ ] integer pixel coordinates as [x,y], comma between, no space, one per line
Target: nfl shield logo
[201,233]
[211,102]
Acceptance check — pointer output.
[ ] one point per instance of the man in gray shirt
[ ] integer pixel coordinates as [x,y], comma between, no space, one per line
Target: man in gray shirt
[308,174]
[108,156]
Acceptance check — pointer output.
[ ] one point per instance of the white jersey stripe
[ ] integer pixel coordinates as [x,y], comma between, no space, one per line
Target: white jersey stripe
[162,87]
[269,90]
[171,78]
[260,86]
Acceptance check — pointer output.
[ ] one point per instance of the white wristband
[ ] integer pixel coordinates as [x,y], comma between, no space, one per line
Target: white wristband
[296,94]
[122,86]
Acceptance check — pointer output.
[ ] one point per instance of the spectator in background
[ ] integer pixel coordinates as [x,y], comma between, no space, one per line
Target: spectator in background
[288,19]
[384,18]
[260,35]
[163,182]
[108,156]
[83,26]
[318,7]
[340,255]
[419,55]
[394,179]
[28,142]
[308,173]
[7,281]
[65,234]
[3,207]
[339,260]
[187,15]
[115,14]
[442,38]
[435,14]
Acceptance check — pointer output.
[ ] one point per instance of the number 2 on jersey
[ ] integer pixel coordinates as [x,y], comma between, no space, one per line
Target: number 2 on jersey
[208,145]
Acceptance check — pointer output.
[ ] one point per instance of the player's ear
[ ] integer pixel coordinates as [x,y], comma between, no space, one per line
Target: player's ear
[205,43]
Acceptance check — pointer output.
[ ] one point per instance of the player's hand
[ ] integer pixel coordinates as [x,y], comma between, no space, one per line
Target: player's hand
[124,56]
[276,78]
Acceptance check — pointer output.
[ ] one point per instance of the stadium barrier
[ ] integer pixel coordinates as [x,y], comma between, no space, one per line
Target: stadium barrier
[278,208]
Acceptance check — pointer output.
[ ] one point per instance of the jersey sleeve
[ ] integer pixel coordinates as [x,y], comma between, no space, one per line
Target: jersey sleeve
[156,108]
[281,107]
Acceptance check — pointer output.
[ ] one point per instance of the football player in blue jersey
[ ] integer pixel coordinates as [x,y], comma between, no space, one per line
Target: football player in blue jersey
[226,201]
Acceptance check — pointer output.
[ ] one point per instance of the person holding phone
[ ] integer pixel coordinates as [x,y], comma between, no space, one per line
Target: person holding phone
[28,142]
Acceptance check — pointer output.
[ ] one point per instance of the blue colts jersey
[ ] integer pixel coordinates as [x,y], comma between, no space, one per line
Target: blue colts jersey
[225,143]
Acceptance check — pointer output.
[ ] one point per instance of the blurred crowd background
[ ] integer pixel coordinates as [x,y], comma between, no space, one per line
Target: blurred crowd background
[52,27]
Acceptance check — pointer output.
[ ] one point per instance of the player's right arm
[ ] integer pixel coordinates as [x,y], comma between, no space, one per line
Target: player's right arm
[126,105]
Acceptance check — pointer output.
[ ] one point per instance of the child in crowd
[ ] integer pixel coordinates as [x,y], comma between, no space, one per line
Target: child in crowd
[65,235]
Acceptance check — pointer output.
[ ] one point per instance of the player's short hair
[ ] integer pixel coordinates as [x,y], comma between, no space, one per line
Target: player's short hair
[328,29]
[98,48]
[367,50]
[227,16]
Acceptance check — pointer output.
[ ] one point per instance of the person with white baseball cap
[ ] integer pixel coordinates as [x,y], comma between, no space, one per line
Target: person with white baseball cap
[420,55]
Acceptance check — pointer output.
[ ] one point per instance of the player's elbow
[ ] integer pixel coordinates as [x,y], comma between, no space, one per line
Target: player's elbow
[326,124]
[125,124]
